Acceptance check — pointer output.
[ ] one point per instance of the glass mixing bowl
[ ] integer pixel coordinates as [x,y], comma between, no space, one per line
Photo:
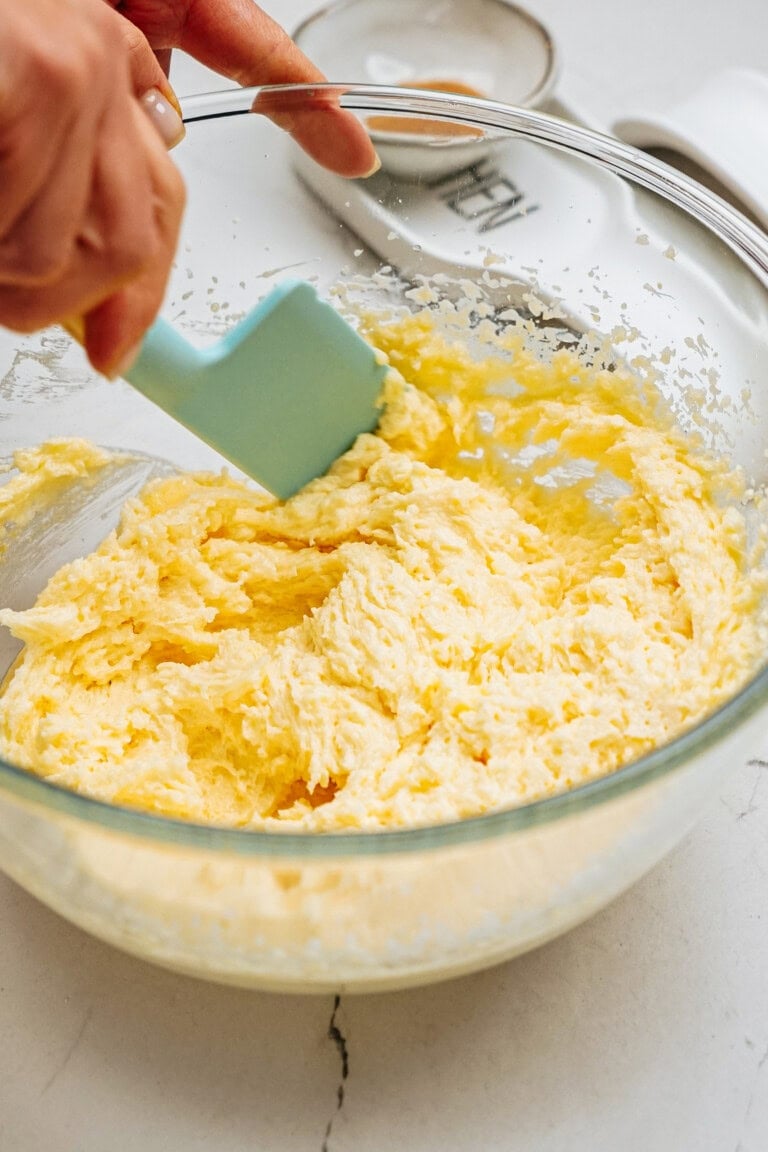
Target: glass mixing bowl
[580,231]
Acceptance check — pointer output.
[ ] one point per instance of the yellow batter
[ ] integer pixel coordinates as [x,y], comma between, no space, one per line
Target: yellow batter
[527,578]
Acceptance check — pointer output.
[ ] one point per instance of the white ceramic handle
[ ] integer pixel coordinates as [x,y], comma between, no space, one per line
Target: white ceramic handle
[723,127]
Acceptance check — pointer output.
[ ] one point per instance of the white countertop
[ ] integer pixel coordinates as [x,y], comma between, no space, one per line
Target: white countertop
[645,1030]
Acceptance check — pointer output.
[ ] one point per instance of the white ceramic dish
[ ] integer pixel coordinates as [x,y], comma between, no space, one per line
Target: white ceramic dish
[493,48]
[722,127]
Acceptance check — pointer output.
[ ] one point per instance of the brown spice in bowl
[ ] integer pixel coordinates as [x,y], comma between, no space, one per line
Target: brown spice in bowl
[418,126]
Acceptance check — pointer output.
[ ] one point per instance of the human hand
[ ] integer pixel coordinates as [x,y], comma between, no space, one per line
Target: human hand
[238,40]
[90,204]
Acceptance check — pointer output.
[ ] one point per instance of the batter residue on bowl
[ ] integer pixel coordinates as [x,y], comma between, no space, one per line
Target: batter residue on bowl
[528,577]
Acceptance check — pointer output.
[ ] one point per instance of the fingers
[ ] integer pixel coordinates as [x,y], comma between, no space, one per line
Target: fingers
[37,244]
[43,92]
[90,204]
[166,120]
[115,327]
[142,62]
[114,236]
[146,69]
[330,135]
[239,40]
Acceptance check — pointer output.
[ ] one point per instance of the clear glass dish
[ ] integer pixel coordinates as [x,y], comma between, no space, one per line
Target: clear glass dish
[617,239]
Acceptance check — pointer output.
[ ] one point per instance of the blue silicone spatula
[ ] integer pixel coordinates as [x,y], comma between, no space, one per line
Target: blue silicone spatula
[281,396]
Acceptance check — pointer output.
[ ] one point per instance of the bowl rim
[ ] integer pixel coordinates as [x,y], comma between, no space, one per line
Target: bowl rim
[727,224]
[537,95]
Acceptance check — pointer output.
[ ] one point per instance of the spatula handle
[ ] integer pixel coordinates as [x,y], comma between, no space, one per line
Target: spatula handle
[166,366]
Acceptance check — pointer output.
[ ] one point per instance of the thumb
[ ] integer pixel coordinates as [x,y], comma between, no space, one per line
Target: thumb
[148,76]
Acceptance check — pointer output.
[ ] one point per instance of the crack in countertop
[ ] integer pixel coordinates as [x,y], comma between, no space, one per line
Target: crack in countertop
[62,1065]
[340,1041]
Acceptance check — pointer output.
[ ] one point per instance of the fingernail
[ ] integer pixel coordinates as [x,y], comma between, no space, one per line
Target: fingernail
[75,325]
[375,168]
[164,117]
[172,98]
[125,363]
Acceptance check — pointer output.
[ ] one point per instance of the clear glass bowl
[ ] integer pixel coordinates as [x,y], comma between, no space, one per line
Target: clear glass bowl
[616,238]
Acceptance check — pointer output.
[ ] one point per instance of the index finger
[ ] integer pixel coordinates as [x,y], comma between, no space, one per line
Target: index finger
[239,40]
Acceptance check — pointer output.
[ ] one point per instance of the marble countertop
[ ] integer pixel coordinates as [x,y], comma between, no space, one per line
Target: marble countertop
[646,1029]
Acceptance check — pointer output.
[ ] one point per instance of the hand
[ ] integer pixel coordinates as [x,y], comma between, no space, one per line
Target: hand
[238,40]
[90,204]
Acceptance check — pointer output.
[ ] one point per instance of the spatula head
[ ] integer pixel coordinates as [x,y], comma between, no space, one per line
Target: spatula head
[282,395]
